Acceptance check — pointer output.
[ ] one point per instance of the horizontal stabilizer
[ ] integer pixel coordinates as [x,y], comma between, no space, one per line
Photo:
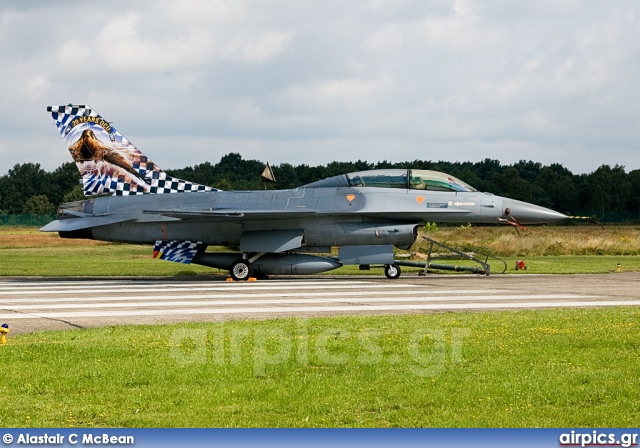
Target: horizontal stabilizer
[71,224]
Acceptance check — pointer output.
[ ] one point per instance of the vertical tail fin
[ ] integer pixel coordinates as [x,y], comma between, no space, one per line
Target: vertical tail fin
[108,162]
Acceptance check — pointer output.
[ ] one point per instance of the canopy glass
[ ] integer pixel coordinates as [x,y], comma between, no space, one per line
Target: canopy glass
[413,179]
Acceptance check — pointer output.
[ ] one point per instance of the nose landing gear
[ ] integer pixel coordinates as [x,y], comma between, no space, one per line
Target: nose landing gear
[392,271]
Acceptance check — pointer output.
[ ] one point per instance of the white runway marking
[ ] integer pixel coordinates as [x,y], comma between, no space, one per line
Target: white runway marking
[255,296]
[320,309]
[290,301]
[172,288]
[150,301]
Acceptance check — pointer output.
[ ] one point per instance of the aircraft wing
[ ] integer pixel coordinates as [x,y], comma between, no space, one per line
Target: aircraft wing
[83,221]
[245,214]
[249,215]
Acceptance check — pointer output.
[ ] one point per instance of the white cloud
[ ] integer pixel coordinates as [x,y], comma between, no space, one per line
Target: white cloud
[126,46]
[379,79]
[121,47]
[36,86]
[256,47]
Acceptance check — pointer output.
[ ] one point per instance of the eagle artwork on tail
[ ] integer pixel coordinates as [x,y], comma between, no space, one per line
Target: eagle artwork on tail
[88,147]
[110,163]
[100,160]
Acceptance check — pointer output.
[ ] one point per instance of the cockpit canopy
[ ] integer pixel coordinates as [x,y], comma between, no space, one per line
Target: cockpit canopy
[397,178]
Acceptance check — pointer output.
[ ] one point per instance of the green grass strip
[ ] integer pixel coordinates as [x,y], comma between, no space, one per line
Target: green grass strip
[134,260]
[552,368]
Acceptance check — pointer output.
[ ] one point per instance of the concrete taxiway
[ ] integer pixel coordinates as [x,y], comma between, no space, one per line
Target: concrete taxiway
[36,304]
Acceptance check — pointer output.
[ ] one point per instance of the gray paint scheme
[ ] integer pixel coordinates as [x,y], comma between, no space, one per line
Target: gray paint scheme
[366,212]
[271,240]
[366,254]
[316,215]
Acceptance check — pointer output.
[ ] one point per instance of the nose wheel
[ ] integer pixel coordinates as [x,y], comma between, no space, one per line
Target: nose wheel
[392,271]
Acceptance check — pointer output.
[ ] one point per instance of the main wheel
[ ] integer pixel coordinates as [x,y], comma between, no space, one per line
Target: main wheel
[392,271]
[241,270]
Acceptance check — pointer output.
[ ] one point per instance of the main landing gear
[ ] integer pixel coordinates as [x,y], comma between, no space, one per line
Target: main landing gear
[241,269]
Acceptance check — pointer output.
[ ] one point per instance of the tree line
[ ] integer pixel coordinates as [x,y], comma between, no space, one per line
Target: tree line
[607,194]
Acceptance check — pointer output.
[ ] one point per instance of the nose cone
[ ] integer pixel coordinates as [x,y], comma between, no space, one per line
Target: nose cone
[527,213]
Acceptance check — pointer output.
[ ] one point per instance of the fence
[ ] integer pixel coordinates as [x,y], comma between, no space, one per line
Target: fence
[25,220]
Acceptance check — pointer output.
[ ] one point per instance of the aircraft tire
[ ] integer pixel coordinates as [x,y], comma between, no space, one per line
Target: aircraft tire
[241,270]
[392,271]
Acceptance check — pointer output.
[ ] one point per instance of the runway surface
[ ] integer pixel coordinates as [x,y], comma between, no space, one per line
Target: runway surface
[36,304]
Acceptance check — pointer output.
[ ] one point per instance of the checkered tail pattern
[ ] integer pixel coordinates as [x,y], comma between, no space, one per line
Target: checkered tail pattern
[108,162]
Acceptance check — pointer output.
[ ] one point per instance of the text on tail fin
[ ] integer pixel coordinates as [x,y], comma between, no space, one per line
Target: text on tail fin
[108,162]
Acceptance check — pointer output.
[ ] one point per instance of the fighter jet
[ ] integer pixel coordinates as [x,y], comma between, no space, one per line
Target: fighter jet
[365,214]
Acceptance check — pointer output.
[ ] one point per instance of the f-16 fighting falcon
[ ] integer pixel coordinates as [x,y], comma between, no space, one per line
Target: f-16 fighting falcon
[365,214]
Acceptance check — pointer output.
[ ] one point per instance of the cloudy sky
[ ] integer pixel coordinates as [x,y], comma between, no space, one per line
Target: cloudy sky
[312,82]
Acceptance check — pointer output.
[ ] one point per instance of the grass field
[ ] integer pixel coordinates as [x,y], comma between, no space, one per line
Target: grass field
[553,250]
[541,240]
[548,368]
[554,368]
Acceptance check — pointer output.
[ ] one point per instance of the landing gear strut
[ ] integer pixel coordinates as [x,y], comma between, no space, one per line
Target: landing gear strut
[392,271]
